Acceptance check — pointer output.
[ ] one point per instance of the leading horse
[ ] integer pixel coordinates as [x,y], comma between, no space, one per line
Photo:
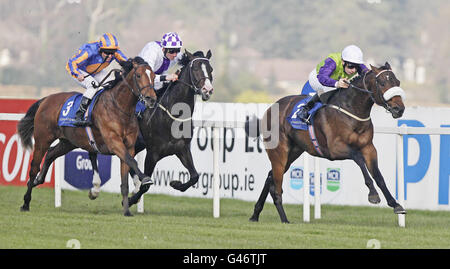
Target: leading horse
[343,130]
[114,126]
[163,134]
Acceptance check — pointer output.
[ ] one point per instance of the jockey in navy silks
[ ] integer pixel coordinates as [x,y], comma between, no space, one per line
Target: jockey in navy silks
[333,72]
[161,55]
[88,65]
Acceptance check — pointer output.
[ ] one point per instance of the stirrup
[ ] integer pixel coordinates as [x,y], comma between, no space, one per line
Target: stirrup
[82,123]
[308,119]
[303,114]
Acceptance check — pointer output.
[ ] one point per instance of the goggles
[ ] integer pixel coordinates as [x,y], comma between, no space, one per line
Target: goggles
[351,65]
[173,50]
[108,51]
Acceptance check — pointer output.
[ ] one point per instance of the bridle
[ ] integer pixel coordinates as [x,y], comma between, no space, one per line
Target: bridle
[192,85]
[384,103]
[138,94]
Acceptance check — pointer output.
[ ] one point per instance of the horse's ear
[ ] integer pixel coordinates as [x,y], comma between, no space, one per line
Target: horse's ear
[208,54]
[189,55]
[374,69]
[388,66]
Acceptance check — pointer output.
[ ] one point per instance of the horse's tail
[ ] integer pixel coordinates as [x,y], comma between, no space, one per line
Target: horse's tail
[252,127]
[25,127]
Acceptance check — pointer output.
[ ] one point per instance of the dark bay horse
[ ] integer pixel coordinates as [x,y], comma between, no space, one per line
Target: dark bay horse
[164,134]
[114,126]
[343,129]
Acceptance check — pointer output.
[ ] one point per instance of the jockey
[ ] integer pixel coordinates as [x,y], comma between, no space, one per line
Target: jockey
[333,72]
[161,55]
[88,65]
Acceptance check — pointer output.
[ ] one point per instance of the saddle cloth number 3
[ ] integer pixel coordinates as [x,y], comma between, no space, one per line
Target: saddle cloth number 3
[69,106]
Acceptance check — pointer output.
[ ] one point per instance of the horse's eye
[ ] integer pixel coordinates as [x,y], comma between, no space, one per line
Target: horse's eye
[138,76]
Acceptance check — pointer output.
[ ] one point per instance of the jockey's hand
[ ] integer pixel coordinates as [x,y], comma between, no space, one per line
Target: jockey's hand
[172,77]
[80,78]
[342,83]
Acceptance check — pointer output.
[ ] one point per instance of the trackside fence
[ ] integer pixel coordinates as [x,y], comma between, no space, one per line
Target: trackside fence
[400,132]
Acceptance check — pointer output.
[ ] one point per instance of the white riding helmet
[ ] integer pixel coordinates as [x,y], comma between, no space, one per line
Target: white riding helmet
[171,40]
[352,54]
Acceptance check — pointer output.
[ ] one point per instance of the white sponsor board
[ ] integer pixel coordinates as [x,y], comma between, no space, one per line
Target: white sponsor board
[244,164]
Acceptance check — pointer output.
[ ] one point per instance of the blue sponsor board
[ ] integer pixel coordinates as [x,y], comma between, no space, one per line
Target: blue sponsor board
[311,183]
[296,179]
[296,175]
[78,170]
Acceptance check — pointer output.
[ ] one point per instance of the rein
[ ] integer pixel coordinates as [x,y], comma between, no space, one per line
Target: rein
[136,94]
[384,103]
[191,85]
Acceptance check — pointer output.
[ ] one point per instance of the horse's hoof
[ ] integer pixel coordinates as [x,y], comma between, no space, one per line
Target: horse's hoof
[398,209]
[146,181]
[374,199]
[128,214]
[177,185]
[253,219]
[24,208]
[92,196]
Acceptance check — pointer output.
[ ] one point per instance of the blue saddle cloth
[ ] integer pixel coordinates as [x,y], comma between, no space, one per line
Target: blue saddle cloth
[70,107]
[297,123]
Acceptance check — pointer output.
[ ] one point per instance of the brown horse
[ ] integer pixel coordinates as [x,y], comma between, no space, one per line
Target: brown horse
[343,129]
[114,126]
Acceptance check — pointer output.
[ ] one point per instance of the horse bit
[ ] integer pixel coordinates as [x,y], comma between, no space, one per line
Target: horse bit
[391,92]
[192,84]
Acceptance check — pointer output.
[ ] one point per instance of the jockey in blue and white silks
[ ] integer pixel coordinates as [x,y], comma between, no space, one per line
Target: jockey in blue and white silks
[161,55]
[88,65]
[333,72]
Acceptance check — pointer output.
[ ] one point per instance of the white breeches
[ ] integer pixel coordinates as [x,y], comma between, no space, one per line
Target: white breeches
[316,85]
[87,82]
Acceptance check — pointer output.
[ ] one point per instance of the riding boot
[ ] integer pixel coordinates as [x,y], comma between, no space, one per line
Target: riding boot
[303,112]
[79,116]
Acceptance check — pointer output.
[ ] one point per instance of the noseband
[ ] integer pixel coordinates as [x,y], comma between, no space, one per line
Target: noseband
[383,103]
[192,85]
[139,93]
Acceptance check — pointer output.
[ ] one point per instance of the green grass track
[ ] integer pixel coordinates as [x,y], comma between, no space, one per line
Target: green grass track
[187,223]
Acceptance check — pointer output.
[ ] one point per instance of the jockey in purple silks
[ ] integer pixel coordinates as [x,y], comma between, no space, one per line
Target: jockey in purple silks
[161,55]
[333,72]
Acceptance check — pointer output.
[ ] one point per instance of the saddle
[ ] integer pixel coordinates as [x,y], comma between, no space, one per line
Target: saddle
[298,124]
[68,110]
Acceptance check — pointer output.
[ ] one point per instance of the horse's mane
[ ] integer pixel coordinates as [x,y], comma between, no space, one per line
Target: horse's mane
[185,59]
[127,66]
[360,76]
